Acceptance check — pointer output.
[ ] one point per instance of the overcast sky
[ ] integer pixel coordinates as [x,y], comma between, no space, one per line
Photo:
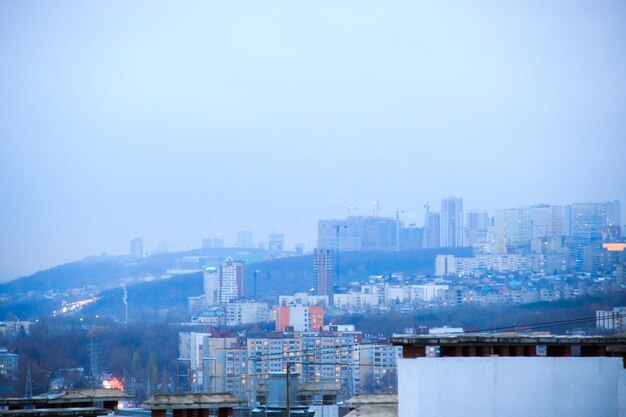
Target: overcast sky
[176,121]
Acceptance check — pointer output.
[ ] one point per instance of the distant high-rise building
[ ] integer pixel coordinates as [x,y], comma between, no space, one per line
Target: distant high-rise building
[231,280]
[381,234]
[244,239]
[213,242]
[344,235]
[411,237]
[218,241]
[547,221]
[585,222]
[324,272]
[211,286]
[513,229]
[357,233]
[613,213]
[432,227]
[276,242]
[451,228]
[136,248]
[476,227]
[517,228]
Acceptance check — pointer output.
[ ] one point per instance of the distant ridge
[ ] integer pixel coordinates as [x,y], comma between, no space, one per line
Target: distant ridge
[101,271]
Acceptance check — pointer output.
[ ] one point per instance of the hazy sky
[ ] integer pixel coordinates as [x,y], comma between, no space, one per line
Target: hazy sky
[180,120]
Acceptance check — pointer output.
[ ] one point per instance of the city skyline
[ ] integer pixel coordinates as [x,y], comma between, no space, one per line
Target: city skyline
[178,123]
[227,241]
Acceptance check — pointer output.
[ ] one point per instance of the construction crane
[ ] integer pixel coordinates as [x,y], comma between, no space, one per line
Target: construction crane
[376,205]
[348,208]
[337,227]
[398,211]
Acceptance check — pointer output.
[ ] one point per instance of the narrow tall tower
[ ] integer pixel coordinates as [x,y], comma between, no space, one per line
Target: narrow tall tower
[323,269]
[451,222]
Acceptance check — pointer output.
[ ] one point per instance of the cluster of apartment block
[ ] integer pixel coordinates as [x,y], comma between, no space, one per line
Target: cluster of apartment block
[222,302]
[227,362]
[611,258]
[490,288]
[568,236]
[385,294]
[611,320]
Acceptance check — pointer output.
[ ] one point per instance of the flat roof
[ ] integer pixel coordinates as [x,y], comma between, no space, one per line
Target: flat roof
[370,399]
[318,387]
[78,395]
[494,339]
[52,412]
[375,410]
[189,401]
[89,394]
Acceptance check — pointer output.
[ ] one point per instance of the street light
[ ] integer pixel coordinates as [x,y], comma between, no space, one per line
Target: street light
[253,358]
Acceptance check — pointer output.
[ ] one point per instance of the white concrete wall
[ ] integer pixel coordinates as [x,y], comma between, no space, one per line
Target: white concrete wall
[511,387]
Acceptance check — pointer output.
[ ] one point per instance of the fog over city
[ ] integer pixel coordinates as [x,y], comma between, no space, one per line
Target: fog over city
[189,120]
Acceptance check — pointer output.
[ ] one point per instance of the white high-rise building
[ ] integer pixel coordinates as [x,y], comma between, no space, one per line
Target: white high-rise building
[211,286]
[231,280]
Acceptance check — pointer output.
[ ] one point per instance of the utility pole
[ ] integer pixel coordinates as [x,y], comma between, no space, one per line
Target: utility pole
[255,276]
[288,397]
[148,387]
[94,359]
[398,211]
[28,391]
[252,379]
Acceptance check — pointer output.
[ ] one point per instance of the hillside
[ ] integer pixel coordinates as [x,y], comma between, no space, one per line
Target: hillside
[159,300]
[289,275]
[105,271]
[167,298]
